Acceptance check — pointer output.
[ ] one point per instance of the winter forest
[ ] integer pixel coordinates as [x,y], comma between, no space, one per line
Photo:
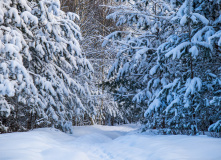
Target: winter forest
[109,62]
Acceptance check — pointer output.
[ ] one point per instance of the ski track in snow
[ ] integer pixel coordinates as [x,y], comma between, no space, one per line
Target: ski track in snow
[106,143]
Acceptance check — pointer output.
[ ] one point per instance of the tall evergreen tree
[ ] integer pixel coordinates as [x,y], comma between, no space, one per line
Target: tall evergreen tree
[41,65]
[184,102]
[146,26]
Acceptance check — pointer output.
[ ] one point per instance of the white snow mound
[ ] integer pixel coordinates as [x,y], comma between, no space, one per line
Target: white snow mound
[106,143]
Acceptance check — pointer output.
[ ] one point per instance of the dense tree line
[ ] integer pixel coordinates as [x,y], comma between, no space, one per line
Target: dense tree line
[165,57]
[168,64]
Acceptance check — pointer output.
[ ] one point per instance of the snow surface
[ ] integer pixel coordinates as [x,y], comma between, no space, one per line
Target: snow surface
[106,143]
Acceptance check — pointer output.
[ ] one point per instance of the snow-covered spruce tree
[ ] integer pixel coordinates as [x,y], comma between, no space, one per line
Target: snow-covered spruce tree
[185,101]
[42,67]
[18,92]
[62,67]
[146,26]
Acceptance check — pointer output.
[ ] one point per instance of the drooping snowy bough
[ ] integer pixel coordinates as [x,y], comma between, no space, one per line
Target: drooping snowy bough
[42,69]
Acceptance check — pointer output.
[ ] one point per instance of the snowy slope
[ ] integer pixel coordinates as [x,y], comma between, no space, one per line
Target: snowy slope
[106,143]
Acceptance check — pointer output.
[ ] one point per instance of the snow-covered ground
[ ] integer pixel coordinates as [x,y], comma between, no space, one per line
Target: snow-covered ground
[106,143]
